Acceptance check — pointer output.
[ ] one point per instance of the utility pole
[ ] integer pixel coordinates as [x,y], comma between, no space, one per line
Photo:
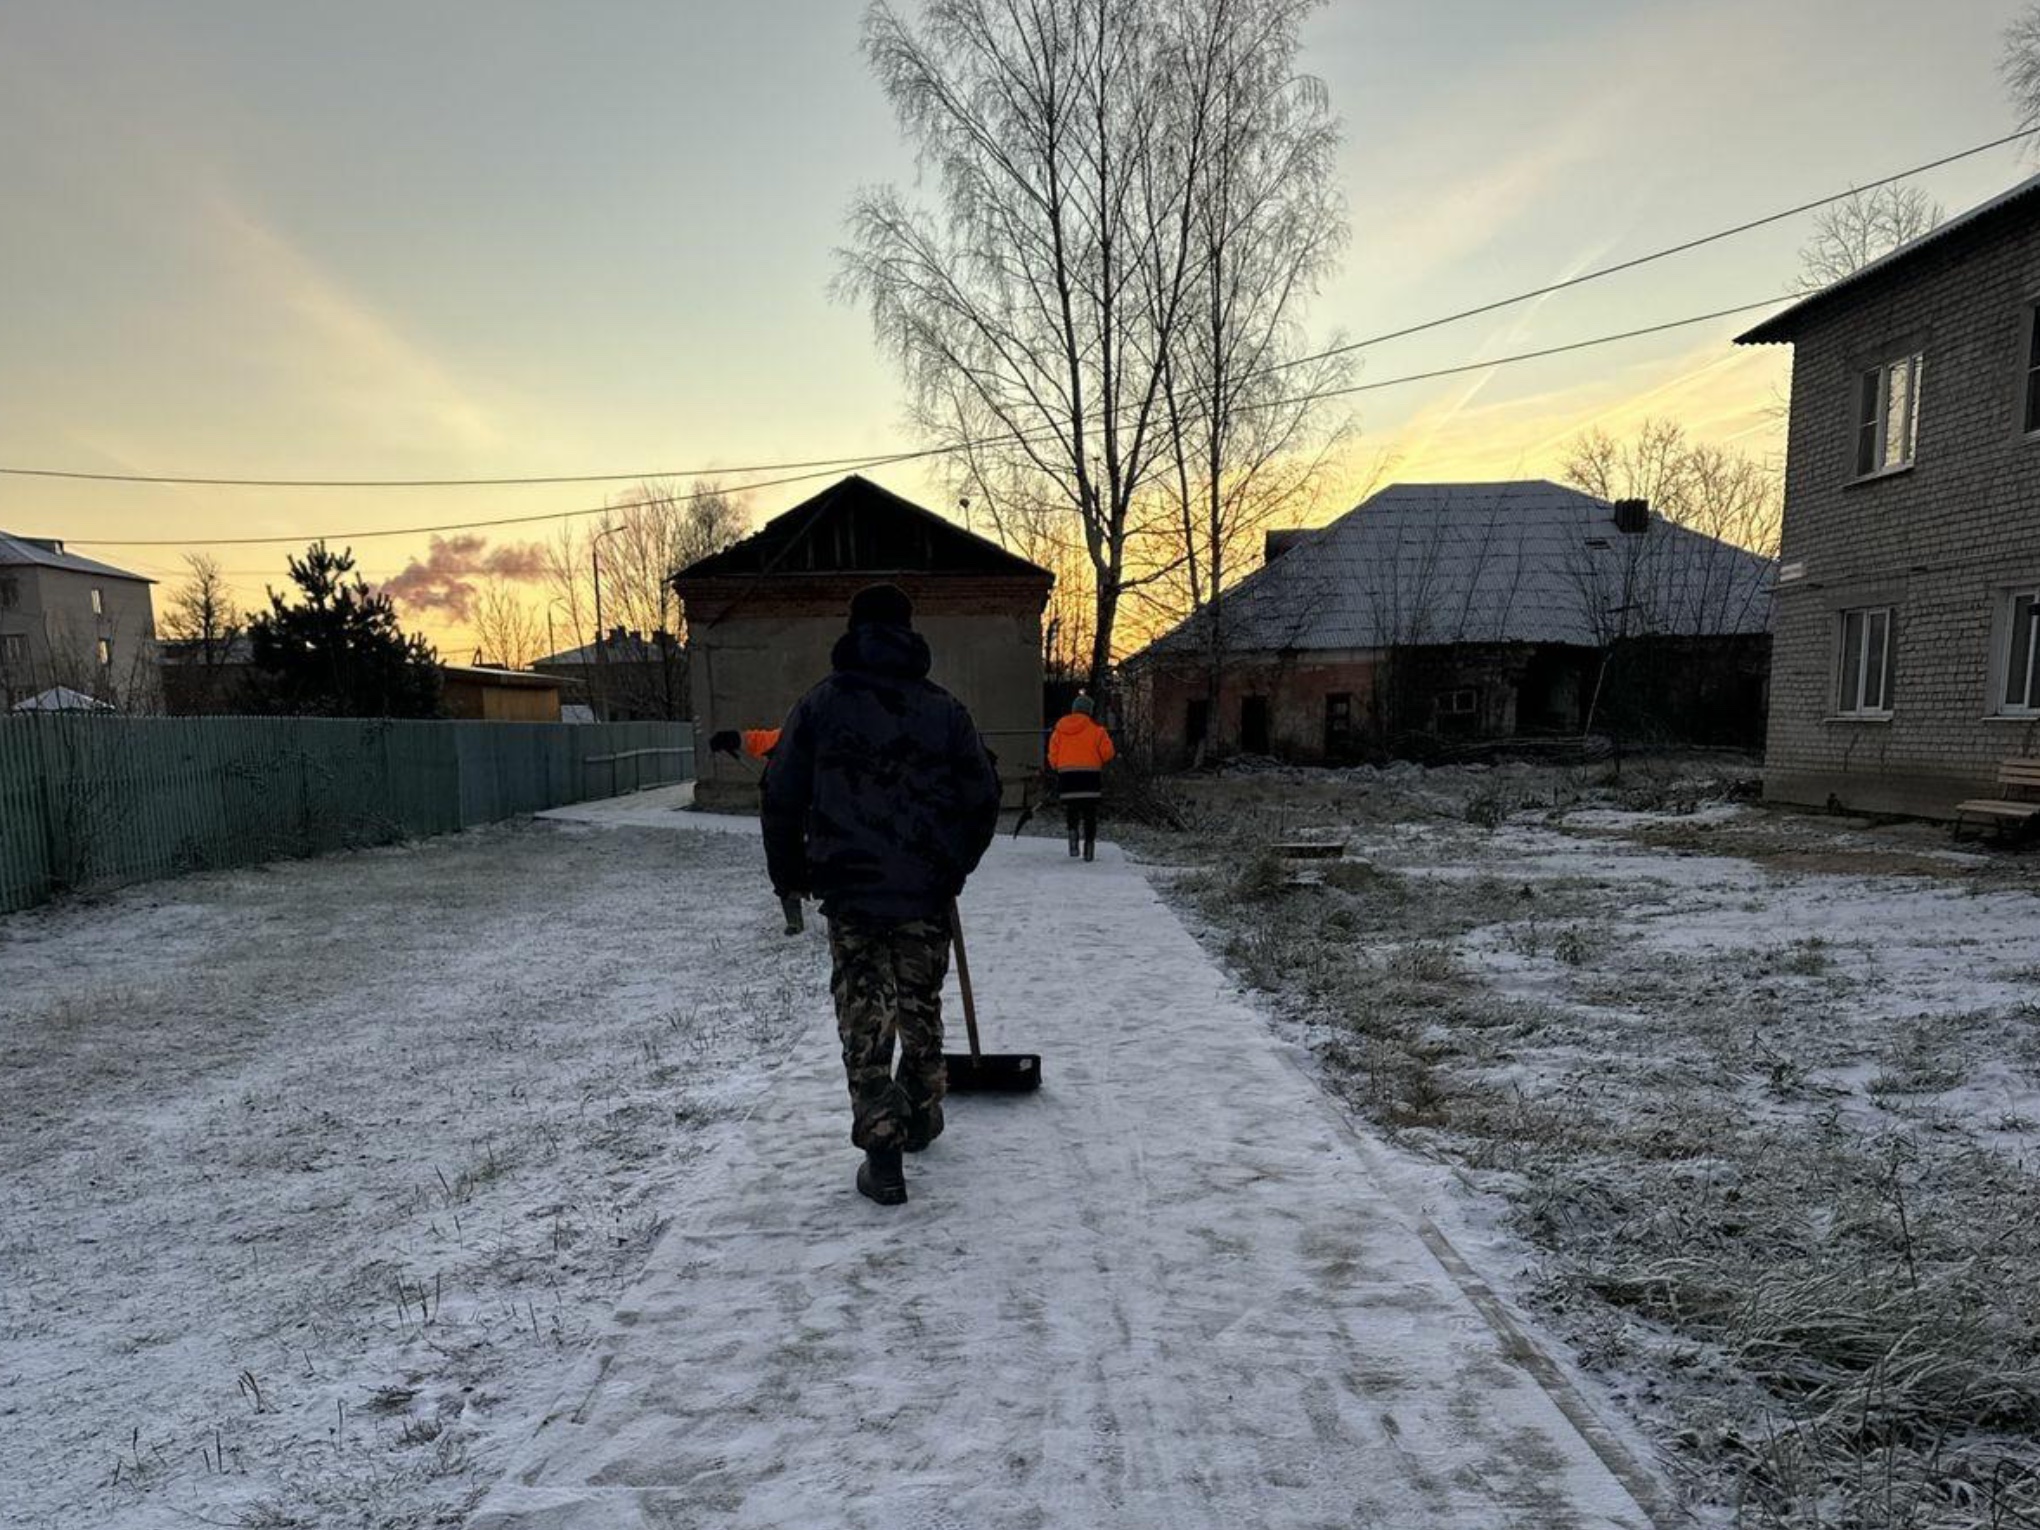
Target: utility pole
[601,633]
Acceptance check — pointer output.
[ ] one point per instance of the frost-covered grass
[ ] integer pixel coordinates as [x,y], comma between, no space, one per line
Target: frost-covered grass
[1760,1093]
[312,1178]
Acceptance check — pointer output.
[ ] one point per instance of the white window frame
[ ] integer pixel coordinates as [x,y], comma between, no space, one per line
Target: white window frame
[2007,642]
[13,648]
[1862,704]
[98,601]
[1872,416]
[106,653]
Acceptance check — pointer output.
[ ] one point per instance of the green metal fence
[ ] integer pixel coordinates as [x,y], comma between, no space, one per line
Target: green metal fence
[89,802]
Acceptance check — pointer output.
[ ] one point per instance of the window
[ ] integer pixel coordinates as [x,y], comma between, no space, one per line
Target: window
[2019,655]
[105,653]
[1338,722]
[1463,702]
[98,602]
[2033,368]
[10,592]
[1865,663]
[13,649]
[1887,416]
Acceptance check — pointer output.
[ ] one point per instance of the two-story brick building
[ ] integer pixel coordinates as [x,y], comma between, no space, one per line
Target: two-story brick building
[1906,647]
[74,622]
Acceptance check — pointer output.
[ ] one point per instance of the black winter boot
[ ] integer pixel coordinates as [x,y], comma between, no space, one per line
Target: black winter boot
[1090,849]
[881,1178]
[1073,843]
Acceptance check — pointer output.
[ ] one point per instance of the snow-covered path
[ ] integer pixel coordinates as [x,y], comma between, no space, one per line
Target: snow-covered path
[1166,1292]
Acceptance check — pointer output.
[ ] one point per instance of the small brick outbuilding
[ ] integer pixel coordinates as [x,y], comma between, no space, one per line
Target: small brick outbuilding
[762,616]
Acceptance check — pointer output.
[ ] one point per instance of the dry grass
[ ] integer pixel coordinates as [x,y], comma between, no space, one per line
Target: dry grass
[1825,1294]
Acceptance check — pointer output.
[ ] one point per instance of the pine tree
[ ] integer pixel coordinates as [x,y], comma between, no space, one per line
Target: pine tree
[338,651]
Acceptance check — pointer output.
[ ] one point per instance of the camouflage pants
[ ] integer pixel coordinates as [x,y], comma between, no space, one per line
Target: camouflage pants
[888,985]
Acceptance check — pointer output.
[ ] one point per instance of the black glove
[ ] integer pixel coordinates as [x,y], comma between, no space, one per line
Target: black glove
[726,742]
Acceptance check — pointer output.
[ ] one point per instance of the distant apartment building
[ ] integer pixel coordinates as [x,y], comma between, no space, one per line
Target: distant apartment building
[1906,658]
[74,623]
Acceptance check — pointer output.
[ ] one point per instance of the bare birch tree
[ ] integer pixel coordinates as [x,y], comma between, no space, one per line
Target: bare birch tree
[509,632]
[1849,234]
[202,613]
[2020,65]
[1041,315]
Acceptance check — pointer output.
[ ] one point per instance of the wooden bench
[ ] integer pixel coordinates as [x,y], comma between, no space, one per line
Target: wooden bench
[2017,803]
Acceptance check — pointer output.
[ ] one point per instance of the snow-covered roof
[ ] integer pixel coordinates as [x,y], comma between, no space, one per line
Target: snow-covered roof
[1522,562]
[61,698]
[1780,326]
[42,552]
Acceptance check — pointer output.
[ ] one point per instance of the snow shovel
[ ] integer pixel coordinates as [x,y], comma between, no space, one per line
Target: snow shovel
[983,1072]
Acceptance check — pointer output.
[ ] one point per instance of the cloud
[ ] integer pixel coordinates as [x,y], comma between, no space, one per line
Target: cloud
[445,581]
[333,343]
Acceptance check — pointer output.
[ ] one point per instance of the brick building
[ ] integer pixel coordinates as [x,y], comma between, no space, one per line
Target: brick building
[1435,615]
[1907,653]
[762,616]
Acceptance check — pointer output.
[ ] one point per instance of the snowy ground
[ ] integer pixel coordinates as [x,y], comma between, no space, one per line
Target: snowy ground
[314,1178]
[1751,1098]
[1172,1290]
[336,1192]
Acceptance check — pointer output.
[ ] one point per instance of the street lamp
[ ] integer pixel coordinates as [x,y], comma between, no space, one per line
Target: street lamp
[552,646]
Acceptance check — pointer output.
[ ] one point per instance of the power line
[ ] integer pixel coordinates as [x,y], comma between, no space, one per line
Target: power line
[1551,350]
[1495,306]
[457,483]
[418,531]
[1669,250]
[1367,387]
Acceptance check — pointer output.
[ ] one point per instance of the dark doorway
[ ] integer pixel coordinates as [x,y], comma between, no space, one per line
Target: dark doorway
[1254,724]
[1196,722]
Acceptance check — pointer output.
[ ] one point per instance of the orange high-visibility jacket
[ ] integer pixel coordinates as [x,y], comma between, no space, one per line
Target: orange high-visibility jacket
[759,742]
[1079,743]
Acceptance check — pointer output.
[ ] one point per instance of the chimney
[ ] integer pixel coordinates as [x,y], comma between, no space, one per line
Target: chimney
[1632,516]
[1279,542]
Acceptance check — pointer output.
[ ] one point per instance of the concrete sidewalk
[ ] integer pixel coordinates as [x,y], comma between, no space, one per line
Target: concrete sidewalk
[1166,1292]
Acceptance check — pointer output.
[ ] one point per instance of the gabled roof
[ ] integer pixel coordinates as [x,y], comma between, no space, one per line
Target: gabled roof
[630,648]
[44,553]
[854,526]
[1523,562]
[2017,202]
[61,698]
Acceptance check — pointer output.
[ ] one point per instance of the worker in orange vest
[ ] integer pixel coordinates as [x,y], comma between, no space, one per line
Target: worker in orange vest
[1078,751]
[758,743]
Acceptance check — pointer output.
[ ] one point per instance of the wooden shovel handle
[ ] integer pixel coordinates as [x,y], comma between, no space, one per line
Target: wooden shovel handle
[963,977]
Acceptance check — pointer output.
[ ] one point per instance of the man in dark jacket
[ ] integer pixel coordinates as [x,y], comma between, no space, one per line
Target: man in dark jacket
[880,801]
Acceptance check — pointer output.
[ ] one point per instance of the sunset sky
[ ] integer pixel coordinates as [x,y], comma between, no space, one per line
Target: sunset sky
[504,237]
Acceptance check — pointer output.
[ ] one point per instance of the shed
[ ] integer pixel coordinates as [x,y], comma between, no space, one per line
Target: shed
[763,614]
[479,693]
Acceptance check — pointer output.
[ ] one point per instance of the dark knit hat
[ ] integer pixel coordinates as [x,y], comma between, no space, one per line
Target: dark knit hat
[1083,704]
[881,605]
